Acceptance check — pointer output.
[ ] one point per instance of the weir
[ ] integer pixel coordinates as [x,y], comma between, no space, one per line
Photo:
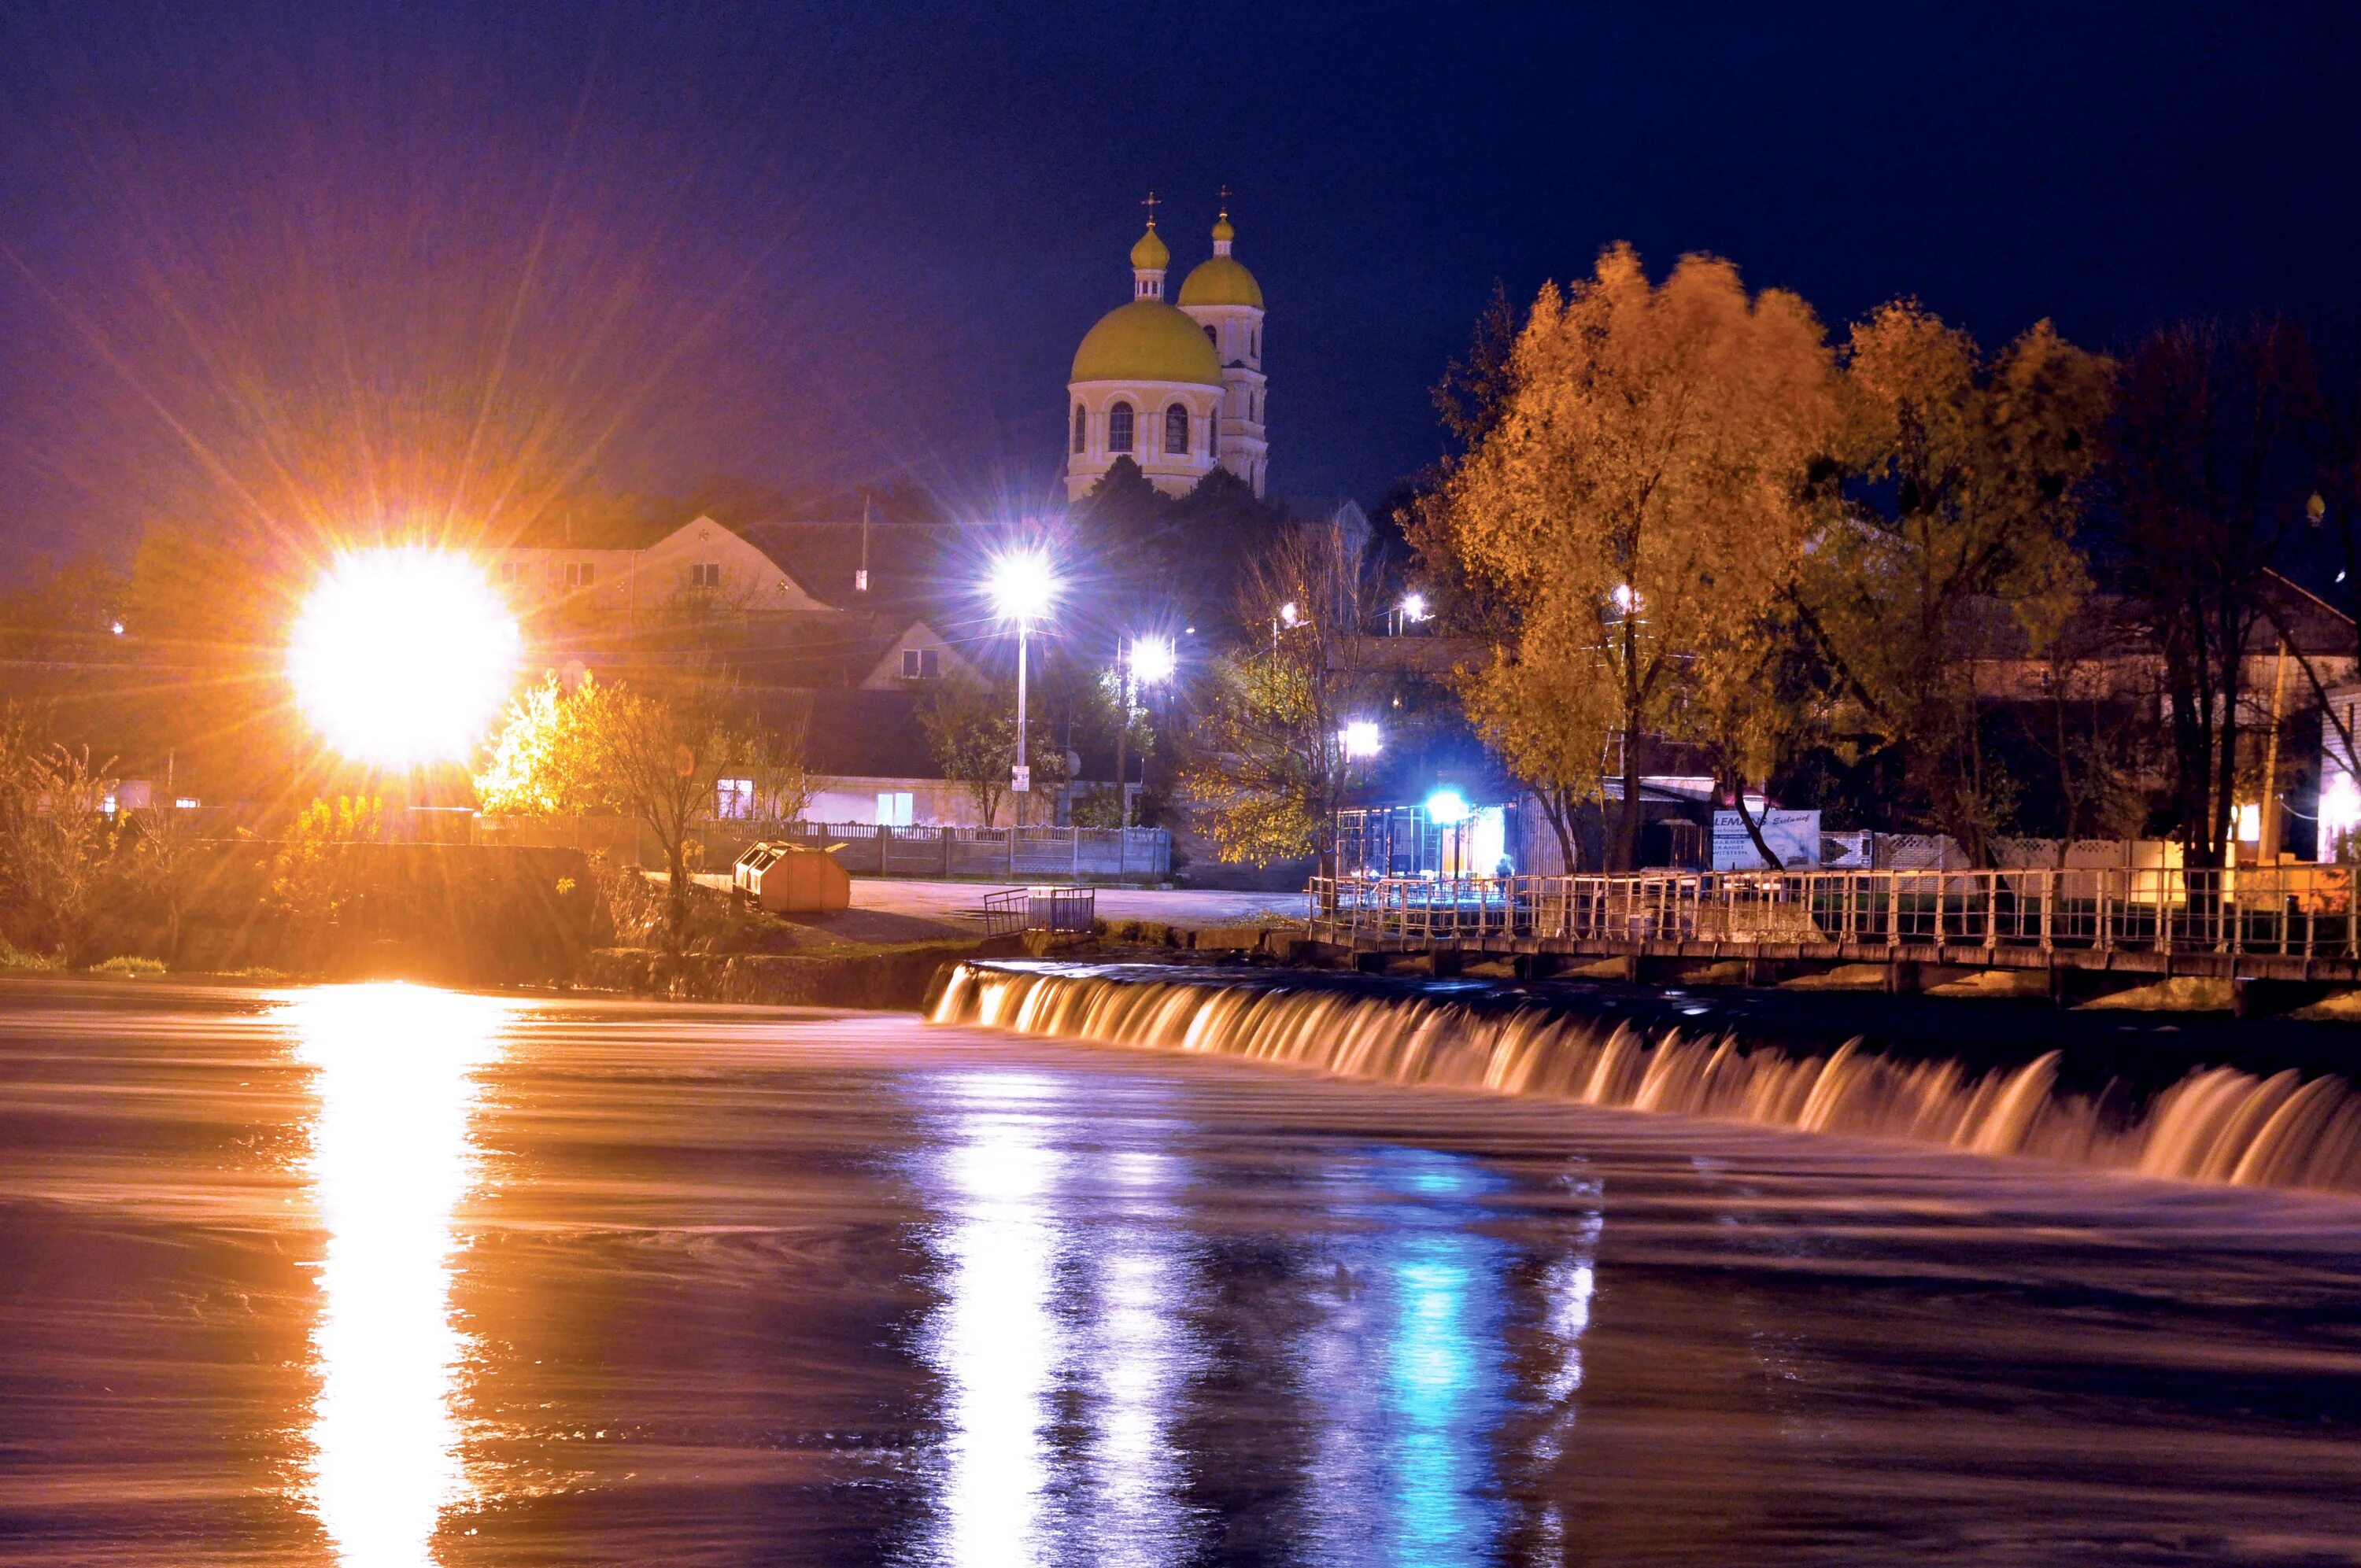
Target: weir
[2216,1123]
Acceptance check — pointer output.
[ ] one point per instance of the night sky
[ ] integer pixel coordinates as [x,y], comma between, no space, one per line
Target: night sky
[300,262]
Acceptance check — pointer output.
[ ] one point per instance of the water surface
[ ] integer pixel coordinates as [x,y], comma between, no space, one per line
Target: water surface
[388,1276]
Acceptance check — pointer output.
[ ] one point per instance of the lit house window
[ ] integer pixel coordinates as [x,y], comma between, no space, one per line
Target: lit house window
[578,574]
[511,571]
[704,575]
[894,807]
[1176,429]
[733,799]
[1119,428]
[920,664]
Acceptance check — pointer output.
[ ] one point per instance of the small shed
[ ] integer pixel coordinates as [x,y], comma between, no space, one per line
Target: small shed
[783,879]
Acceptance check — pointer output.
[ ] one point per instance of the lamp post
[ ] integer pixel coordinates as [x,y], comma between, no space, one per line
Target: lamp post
[1022,588]
[1360,740]
[1149,661]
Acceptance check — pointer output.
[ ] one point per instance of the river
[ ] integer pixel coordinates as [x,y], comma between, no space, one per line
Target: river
[381,1275]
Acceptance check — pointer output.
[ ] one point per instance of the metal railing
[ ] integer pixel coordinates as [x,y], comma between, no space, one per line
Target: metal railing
[1039,909]
[2295,911]
[867,849]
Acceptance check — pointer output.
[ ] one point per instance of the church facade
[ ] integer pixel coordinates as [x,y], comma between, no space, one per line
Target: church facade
[1176,386]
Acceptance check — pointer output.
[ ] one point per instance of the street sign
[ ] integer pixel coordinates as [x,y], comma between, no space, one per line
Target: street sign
[1021,779]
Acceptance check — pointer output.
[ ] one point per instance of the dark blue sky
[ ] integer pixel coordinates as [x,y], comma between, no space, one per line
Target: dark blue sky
[291,261]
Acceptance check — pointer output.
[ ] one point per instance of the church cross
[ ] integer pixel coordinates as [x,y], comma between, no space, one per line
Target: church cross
[1152,204]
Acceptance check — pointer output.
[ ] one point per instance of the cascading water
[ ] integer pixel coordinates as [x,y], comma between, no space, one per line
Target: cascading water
[2215,1124]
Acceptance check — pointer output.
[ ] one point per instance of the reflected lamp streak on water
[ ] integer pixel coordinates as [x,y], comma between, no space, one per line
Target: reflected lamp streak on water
[1404,1456]
[390,1159]
[1145,1358]
[1444,1353]
[995,1341]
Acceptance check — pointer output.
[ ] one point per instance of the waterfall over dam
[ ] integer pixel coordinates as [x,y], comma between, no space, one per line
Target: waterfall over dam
[2217,1123]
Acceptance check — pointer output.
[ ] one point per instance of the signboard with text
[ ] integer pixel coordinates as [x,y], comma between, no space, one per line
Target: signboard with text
[1793,837]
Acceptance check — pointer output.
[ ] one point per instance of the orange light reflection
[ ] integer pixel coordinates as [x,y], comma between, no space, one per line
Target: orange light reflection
[391,1161]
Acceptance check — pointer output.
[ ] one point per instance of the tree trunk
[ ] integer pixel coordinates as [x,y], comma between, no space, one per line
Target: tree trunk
[1625,856]
[1558,805]
[675,893]
[1737,787]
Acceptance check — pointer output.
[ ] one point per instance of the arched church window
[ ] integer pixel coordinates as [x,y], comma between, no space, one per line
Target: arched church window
[1210,337]
[1176,429]
[1082,428]
[1119,428]
[1258,342]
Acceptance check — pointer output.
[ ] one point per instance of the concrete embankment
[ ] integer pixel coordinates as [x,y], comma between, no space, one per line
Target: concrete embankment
[888,978]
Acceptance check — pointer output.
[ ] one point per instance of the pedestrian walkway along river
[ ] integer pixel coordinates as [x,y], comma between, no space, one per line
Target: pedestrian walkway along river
[383,1275]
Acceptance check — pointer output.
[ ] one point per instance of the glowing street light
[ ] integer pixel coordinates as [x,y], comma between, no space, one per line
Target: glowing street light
[1361,739]
[402,656]
[1149,662]
[1152,660]
[1446,808]
[1023,588]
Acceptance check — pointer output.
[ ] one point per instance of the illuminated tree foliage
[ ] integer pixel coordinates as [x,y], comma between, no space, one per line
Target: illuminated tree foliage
[55,838]
[1550,719]
[1267,768]
[655,756]
[1965,477]
[1637,496]
[970,729]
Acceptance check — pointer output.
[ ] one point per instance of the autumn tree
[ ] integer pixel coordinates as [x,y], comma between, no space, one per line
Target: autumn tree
[1951,541]
[56,838]
[970,729]
[1639,493]
[654,755]
[1551,720]
[1267,769]
[2212,463]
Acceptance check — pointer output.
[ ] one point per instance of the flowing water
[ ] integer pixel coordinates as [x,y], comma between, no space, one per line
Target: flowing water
[2218,1123]
[388,1276]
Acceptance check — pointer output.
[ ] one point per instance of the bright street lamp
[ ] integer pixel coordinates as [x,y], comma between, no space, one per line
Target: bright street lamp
[402,656]
[1023,588]
[1152,660]
[1361,739]
[1149,662]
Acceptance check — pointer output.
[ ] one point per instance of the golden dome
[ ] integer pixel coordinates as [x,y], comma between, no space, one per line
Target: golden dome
[1151,254]
[1223,231]
[1221,280]
[1147,340]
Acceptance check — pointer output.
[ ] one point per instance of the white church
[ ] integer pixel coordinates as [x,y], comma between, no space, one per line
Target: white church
[1176,389]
